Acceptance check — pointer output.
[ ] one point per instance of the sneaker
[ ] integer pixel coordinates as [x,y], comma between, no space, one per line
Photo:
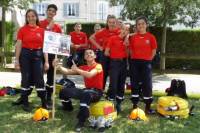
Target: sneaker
[26,108]
[150,111]
[19,101]
[79,126]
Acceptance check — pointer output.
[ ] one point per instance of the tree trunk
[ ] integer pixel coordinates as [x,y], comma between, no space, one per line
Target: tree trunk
[164,37]
[3,28]
[163,48]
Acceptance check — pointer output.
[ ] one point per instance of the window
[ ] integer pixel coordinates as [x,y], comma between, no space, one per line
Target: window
[40,8]
[118,10]
[71,9]
[102,10]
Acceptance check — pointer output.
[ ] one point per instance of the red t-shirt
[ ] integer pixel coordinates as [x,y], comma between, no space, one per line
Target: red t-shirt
[55,28]
[32,37]
[103,35]
[142,45]
[117,47]
[95,81]
[78,38]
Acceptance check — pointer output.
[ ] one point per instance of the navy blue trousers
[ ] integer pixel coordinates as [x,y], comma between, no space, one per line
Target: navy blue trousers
[117,79]
[31,65]
[141,78]
[86,97]
[50,75]
[105,62]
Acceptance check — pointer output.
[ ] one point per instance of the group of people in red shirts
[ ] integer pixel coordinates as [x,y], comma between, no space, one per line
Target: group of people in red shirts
[108,53]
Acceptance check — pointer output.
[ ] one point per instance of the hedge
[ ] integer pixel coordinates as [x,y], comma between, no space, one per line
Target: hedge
[86,27]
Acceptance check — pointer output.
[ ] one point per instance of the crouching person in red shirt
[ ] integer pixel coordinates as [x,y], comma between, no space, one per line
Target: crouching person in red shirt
[93,78]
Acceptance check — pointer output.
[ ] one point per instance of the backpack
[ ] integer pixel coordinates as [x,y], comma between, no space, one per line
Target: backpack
[177,88]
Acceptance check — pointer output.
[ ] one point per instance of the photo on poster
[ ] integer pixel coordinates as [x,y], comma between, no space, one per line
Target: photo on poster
[56,43]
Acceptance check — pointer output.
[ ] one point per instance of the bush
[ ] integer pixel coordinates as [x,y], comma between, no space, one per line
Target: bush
[88,28]
[10,29]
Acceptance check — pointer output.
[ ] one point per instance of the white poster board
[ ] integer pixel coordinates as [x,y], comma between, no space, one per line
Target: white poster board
[56,43]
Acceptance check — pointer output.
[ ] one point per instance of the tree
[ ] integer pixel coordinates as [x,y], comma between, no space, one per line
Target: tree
[160,13]
[7,5]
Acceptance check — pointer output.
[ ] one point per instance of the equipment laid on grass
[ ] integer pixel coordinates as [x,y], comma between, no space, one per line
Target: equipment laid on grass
[172,106]
[9,91]
[102,115]
[2,92]
[41,115]
[138,114]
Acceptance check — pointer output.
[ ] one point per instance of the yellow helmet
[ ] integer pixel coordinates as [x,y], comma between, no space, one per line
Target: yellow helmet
[138,114]
[41,115]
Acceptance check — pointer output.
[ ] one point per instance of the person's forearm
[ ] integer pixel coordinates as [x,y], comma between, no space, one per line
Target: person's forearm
[85,73]
[46,57]
[93,41]
[107,52]
[84,45]
[153,53]
[18,48]
[66,71]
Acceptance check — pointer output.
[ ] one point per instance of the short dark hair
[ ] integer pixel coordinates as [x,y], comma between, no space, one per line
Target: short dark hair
[52,6]
[141,18]
[77,23]
[37,18]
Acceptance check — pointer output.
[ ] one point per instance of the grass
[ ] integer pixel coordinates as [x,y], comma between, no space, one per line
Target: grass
[14,120]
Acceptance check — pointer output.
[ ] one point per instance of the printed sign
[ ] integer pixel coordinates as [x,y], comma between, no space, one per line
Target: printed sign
[56,43]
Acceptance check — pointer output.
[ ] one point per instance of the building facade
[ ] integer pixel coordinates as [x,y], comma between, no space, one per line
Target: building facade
[78,10]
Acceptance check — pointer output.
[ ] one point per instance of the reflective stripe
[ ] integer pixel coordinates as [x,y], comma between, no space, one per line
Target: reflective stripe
[110,99]
[65,101]
[84,105]
[40,89]
[25,89]
[118,97]
[134,95]
[147,97]
[31,87]
[50,86]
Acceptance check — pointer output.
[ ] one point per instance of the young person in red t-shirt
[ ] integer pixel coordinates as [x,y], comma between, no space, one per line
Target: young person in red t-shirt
[29,58]
[79,44]
[116,49]
[97,28]
[50,25]
[143,47]
[102,36]
[93,78]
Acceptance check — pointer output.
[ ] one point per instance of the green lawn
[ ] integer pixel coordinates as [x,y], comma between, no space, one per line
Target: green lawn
[15,120]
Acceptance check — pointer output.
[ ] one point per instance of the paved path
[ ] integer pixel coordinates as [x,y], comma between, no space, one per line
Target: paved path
[160,82]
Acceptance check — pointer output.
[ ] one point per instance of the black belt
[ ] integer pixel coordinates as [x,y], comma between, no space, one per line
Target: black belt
[118,59]
[32,49]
